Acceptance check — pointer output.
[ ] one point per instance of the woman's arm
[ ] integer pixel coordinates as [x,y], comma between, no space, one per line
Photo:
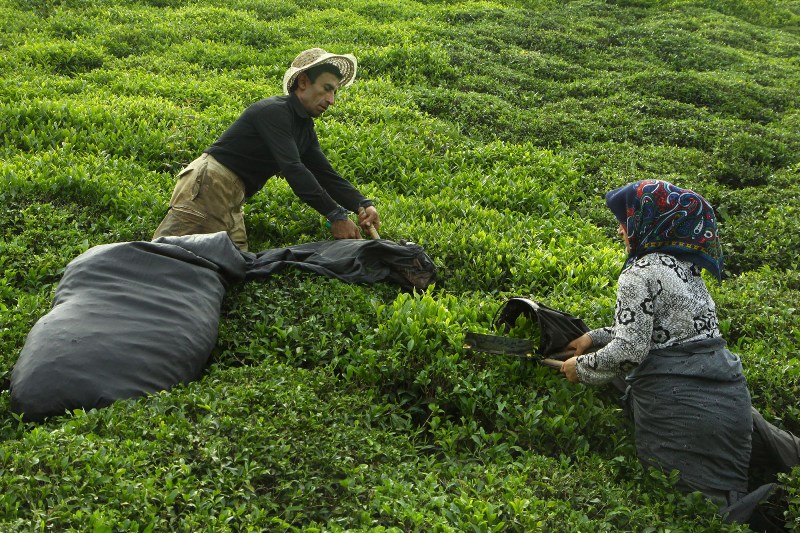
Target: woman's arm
[633,329]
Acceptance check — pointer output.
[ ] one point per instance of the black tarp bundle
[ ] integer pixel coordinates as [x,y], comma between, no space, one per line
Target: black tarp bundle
[134,318]
[353,261]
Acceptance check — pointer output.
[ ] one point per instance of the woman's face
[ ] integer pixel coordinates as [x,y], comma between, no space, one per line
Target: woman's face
[624,234]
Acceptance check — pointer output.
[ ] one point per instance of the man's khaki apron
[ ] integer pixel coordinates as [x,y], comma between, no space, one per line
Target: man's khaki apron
[207,198]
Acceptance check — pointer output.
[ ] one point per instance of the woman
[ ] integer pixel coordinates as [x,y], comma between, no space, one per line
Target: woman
[687,392]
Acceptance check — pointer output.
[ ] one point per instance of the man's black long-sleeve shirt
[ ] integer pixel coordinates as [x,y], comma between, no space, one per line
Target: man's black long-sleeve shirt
[276,136]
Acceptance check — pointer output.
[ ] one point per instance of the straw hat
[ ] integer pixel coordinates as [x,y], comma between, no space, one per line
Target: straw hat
[312,57]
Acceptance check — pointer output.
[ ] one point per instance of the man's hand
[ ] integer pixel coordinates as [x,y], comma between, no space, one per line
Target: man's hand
[345,229]
[369,216]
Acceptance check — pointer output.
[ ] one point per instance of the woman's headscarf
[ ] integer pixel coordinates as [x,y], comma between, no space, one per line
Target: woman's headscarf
[661,217]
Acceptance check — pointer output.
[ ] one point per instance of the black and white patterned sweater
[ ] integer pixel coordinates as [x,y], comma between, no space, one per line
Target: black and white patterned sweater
[661,302]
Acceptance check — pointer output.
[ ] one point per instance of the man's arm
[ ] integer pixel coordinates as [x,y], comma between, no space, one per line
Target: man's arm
[341,190]
[633,330]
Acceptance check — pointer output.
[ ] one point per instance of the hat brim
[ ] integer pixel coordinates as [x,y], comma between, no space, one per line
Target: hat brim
[346,63]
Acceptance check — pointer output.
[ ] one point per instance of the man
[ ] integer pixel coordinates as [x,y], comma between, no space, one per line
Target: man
[274,136]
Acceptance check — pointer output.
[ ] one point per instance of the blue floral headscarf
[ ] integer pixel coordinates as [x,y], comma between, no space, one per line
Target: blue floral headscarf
[661,217]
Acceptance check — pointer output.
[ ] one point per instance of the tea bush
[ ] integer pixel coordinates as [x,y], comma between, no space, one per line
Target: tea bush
[488,132]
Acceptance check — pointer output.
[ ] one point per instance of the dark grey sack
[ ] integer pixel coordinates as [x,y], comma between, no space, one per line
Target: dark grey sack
[128,319]
[134,318]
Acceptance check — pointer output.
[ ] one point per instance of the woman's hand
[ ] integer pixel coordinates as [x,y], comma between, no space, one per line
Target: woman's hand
[570,370]
[580,344]
[570,366]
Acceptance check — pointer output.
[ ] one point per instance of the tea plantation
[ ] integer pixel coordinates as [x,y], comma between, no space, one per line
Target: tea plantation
[488,132]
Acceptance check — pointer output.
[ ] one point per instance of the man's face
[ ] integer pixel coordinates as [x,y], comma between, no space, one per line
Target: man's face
[317,96]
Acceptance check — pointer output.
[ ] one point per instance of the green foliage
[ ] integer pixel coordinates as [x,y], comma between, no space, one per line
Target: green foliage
[68,58]
[488,132]
[759,319]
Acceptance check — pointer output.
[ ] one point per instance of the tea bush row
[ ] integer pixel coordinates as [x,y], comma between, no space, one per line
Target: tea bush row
[250,448]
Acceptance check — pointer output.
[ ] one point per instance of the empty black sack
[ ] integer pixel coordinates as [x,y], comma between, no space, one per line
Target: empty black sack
[556,328]
[351,260]
[127,319]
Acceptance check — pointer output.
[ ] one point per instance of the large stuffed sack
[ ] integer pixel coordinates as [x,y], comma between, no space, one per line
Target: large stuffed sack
[128,319]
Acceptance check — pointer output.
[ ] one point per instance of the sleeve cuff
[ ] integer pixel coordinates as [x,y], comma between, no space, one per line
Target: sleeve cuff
[340,213]
[601,336]
[366,202]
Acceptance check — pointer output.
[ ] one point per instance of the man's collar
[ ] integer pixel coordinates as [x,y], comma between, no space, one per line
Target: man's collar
[297,106]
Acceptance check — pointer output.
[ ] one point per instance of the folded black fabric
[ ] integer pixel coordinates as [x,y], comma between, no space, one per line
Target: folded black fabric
[692,411]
